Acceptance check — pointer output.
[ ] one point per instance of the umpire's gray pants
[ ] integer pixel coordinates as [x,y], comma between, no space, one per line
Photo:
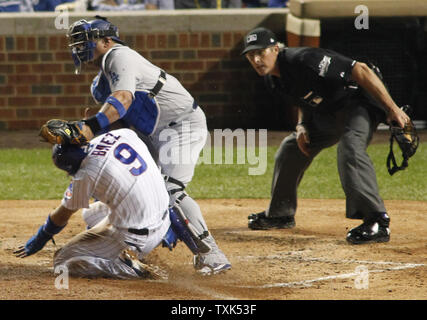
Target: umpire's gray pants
[352,127]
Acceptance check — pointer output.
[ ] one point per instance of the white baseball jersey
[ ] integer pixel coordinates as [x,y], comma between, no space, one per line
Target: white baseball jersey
[125,69]
[120,172]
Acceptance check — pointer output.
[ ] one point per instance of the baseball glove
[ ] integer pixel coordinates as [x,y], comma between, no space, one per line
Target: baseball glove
[407,139]
[58,131]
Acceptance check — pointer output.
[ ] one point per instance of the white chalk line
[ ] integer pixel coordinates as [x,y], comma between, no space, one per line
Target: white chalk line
[295,256]
[306,283]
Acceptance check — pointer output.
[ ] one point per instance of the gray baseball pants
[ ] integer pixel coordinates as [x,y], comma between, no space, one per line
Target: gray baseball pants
[352,128]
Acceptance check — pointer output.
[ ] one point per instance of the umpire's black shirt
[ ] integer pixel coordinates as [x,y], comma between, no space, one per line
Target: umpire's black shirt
[314,77]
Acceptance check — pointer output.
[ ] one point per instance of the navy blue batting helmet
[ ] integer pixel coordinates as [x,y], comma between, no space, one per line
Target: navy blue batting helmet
[82,35]
[68,157]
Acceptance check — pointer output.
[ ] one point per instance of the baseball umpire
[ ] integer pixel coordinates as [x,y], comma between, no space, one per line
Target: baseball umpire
[144,97]
[340,100]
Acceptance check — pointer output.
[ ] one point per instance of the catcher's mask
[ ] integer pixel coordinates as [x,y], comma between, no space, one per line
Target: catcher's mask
[407,140]
[82,36]
[68,157]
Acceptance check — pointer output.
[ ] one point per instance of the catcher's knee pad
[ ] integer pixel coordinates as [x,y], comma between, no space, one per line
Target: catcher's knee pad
[187,232]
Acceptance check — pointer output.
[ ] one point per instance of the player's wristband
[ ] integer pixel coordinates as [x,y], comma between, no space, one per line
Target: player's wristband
[50,228]
[98,123]
[117,105]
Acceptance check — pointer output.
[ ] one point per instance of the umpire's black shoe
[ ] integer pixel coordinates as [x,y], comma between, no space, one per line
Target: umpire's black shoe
[258,221]
[376,230]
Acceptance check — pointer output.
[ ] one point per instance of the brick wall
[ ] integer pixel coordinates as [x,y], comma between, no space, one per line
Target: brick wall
[37,80]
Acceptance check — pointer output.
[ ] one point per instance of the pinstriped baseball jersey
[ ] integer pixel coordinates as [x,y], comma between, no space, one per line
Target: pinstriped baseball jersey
[125,69]
[120,172]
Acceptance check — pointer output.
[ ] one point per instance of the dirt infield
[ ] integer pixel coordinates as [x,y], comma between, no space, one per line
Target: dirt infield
[310,261]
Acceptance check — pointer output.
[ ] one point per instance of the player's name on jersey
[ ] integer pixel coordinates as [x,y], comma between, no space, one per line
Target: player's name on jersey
[104,145]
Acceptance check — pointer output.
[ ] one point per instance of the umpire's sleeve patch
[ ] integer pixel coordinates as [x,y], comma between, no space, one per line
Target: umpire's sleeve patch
[324,66]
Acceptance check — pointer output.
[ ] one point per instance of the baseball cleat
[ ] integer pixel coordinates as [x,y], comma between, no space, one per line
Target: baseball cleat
[259,221]
[209,269]
[143,270]
[371,231]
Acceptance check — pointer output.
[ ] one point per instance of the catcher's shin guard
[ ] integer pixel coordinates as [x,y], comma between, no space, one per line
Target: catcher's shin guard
[170,239]
[186,232]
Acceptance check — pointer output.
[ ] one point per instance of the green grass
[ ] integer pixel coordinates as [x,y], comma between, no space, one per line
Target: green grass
[410,184]
[321,181]
[30,174]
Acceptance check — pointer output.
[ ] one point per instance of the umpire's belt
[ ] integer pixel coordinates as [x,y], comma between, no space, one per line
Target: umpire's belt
[145,231]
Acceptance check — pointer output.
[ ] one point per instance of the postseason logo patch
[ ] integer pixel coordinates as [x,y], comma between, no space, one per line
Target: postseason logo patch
[69,192]
[252,38]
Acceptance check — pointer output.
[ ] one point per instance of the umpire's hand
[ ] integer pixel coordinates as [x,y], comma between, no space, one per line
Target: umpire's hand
[303,139]
[398,117]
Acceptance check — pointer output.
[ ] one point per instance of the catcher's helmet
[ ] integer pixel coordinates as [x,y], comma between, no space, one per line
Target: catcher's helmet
[82,35]
[68,157]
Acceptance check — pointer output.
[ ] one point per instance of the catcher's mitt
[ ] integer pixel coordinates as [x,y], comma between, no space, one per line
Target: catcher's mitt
[58,131]
[407,139]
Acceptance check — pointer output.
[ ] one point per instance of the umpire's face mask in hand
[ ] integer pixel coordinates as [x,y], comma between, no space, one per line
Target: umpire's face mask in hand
[263,60]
